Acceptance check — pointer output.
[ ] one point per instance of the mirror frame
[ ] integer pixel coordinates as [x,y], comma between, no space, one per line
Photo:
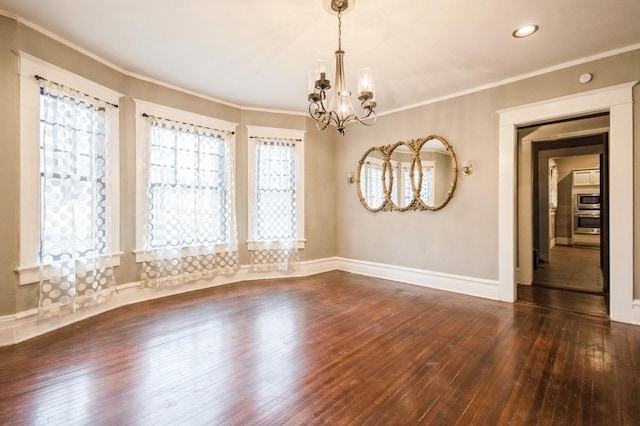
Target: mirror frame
[387,175]
[454,171]
[385,202]
[413,204]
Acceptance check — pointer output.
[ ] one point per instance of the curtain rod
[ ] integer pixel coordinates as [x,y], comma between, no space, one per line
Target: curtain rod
[145,115]
[276,138]
[40,78]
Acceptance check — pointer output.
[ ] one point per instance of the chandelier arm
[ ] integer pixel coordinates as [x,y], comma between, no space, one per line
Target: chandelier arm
[319,124]
[313,112]
[368,123]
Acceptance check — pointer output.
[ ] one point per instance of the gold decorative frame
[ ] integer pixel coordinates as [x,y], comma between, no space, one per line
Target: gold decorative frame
[416,203]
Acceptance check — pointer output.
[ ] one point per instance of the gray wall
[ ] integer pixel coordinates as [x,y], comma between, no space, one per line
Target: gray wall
[460,239]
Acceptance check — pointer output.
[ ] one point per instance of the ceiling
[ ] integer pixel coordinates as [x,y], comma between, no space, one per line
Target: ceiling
[257,53]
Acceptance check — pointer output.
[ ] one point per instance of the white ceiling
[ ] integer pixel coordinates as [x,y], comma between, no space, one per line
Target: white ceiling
[257,53]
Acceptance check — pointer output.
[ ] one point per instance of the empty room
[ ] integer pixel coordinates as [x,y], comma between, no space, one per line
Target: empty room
[319,212]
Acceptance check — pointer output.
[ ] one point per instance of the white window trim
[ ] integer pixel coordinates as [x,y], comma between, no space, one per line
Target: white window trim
[174,114]
[30,66]
[273,132]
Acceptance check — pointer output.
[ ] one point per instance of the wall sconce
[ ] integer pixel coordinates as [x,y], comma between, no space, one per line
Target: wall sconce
[467,168]
[350,177]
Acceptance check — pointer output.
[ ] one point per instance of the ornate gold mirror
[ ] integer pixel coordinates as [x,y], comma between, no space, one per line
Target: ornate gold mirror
[371,180]
[415,175]
[438,170]
[403,188]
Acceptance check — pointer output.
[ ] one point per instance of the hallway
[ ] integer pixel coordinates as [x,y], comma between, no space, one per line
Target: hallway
[572,282]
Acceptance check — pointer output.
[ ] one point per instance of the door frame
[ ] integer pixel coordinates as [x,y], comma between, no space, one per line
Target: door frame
[618,101]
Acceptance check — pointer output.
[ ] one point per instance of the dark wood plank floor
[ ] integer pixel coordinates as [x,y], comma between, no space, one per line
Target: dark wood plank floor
[335,348]
[563,299]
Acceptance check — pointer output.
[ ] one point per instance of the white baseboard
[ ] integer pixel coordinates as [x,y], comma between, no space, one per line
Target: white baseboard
[635,316]
[478,287]
[27,324]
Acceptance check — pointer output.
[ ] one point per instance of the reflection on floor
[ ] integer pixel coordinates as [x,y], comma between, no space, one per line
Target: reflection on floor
[572,281]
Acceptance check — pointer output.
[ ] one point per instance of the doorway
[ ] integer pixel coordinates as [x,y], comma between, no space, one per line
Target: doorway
[570,271]
[618,101]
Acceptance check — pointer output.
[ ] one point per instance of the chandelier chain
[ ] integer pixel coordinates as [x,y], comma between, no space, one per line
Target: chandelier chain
[340,29]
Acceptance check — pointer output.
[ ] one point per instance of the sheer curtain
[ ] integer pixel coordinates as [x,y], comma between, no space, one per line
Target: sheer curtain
[427,189]
[373,190]
[273,230]
[75,260]
[190,230]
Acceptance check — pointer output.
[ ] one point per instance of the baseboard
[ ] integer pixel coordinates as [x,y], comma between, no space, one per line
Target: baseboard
[635,316]
[27,324]
[563,241]
[488,289]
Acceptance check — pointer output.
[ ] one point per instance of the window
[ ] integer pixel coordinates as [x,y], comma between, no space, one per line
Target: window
[69,173]
[189,188]
[406,184]
[427,189]
[74,136]
[276,197]
[185,214]
[373,192]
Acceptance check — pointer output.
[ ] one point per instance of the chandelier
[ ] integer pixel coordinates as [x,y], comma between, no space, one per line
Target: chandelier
[338,111]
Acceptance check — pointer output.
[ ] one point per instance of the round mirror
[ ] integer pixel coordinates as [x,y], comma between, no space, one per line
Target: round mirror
[401,168]
[437,172]
[371,180]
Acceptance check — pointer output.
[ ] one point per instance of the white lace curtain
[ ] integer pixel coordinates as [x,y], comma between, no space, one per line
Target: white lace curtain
[372,179]
[273,231]
[427,188]
[190,229]
[75,261]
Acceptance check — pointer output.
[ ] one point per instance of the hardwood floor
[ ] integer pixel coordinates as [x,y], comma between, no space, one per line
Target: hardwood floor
[564,300]
[572,282]
[573,268]
[335,348]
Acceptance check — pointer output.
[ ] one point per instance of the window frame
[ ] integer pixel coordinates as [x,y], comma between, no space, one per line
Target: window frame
[173,114]
[254,132]
[29,66]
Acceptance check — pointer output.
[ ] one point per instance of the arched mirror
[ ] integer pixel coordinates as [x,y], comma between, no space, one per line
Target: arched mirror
[371,179]
[437,169]
[416,175]
[401,161]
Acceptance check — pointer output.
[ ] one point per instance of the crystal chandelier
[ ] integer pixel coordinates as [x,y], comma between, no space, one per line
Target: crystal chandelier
[338,111]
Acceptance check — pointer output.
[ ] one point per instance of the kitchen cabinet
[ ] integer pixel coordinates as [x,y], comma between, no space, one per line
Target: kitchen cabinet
[586,177]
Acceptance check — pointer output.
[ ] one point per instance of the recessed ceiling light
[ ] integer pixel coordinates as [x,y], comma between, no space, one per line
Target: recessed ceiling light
[525,31]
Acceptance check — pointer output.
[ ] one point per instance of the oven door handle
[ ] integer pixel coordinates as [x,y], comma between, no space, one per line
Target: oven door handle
[587,214]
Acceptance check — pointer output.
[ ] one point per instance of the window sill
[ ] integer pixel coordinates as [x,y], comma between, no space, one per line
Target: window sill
[31,274]
[262,245]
